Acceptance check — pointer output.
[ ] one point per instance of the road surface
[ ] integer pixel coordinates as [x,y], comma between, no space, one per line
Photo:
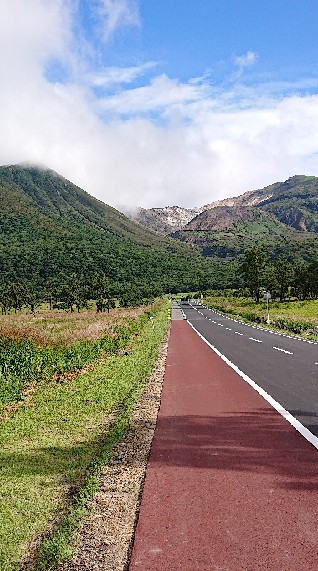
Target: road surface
[285,367]
[230,485]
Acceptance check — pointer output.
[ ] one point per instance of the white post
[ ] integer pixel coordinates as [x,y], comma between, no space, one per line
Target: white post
[267,296]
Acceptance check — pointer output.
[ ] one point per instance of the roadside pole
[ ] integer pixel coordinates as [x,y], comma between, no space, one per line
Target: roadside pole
[267,296]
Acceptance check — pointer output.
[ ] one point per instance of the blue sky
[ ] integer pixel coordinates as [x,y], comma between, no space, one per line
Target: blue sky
[157,102]
[192,38]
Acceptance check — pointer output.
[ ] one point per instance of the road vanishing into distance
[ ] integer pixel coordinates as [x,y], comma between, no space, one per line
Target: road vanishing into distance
[230,484]
[285,367]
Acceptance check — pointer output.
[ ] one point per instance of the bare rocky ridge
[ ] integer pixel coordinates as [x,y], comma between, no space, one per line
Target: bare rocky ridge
[293,203]
[221,218]
[165,220]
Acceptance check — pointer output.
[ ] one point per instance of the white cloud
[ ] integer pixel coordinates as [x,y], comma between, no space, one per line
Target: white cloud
[212,143]
[118,13]
[110,76]
[246,60]
[162,92]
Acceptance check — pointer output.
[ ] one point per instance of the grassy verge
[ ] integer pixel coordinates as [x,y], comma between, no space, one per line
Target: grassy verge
[32,352]
[296,317]
[52,450]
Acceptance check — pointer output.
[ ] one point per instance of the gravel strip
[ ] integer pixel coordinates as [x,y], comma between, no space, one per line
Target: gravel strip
[106,536]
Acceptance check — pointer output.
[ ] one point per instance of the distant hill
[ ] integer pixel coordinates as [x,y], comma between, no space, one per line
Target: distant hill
[282,217]
[294,202]
[50,228]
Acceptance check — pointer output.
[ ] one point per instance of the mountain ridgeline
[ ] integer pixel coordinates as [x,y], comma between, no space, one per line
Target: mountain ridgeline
[51,228]
[282,218]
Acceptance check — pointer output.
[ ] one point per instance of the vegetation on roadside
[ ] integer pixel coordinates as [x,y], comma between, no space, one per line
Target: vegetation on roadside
[34,350]
[294,316]
[52,448]
[280,277]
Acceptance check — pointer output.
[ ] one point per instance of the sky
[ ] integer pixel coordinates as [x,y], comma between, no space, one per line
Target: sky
[150,103]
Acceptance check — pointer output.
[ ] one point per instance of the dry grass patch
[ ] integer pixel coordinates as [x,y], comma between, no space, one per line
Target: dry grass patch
[57,327]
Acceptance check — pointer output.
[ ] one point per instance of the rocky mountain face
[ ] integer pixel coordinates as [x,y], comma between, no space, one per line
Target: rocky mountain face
[293,202]
[165,220]
[220,218]
[283,217]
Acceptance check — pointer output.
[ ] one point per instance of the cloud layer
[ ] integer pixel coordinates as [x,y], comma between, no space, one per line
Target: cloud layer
[160,141]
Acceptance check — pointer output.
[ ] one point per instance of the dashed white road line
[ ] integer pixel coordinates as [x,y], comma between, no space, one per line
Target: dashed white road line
[257,327]
[256,340]
[238,333]
[283,350]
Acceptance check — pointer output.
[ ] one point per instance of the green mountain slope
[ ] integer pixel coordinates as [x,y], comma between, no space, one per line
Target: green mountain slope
[26,188]
[51,228]
[295,202]
[227,231]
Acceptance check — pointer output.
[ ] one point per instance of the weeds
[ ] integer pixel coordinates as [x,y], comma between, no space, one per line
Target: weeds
[51,452]
[24,362]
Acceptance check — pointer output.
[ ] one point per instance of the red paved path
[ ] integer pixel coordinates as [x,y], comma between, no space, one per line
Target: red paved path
[230,485]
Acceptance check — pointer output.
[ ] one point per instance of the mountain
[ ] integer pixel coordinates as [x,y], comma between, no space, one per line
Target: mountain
[51,228]
[226,232]
[294,202]
[282,217]
[164,220]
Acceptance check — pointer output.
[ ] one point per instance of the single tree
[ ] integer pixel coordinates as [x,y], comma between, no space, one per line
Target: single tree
[283,273]
[100,285]
[5,299]
[253,270]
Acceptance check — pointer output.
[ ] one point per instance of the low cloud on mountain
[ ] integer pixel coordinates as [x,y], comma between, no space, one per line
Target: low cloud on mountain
[132,135]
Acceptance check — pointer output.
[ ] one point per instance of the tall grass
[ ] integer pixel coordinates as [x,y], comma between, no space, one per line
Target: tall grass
[22,361]
[51,452]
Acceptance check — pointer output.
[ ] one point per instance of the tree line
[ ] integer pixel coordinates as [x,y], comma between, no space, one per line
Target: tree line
[281,277]
[74,294]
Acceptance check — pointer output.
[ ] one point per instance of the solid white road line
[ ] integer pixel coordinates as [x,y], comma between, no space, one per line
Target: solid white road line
[310,437]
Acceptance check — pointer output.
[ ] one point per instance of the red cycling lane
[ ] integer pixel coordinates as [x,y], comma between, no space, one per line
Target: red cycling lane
[230,485]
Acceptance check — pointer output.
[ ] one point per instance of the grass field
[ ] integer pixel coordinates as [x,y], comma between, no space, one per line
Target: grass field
[33,349]
[53,446]
[299,317]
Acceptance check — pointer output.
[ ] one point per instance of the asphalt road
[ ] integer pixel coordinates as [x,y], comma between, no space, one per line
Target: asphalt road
[230,485]
[285,367]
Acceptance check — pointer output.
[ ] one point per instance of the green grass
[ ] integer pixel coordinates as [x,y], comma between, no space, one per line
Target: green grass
[52,450]
[25,359]
[298,317]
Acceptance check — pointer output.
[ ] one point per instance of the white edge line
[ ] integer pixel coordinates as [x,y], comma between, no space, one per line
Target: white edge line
[309,436]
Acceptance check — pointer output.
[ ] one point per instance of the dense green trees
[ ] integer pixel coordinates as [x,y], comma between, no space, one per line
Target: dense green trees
[279,277]
[75,293]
